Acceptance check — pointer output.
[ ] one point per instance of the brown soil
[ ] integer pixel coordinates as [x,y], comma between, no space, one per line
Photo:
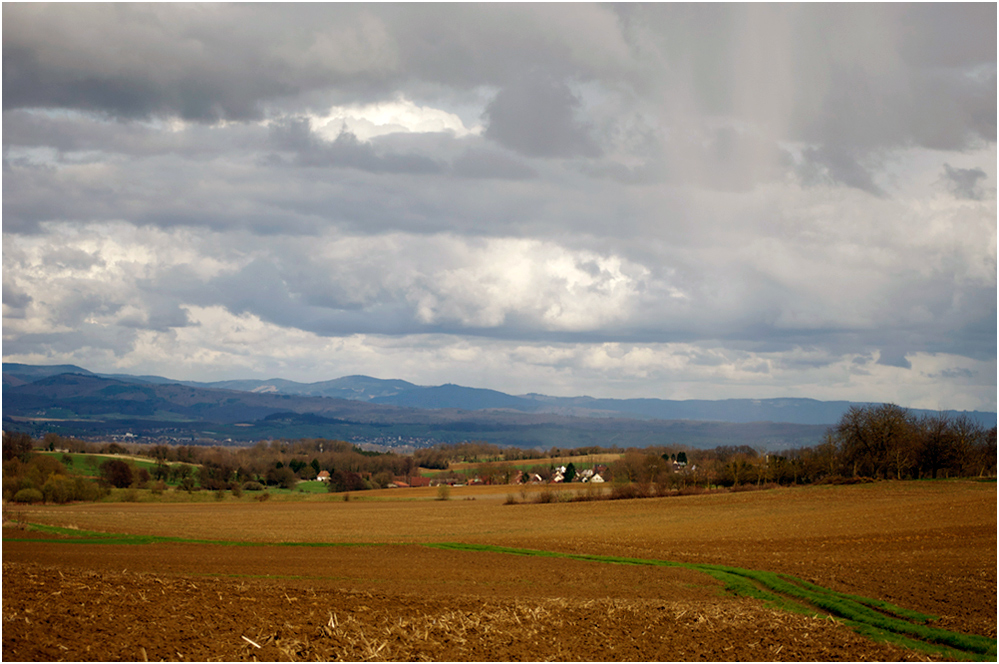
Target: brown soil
[405,602]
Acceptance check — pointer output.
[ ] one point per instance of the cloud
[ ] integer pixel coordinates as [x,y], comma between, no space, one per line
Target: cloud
[536,116]
[832,165]
[491,164]
[894,358]
[963,182]
[203,64]
[702,200]
[400,115]
[345,151]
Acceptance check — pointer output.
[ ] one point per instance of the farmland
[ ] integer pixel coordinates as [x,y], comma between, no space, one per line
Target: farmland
[398,575]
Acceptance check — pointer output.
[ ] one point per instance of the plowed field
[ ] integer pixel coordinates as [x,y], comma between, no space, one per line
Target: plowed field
[249,594]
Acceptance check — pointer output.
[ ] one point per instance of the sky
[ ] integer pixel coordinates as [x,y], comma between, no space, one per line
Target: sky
[658,200]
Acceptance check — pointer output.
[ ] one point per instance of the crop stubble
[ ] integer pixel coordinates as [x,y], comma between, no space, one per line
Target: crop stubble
[924,546]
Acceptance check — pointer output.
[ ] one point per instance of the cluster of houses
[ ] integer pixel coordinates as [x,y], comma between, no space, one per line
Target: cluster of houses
[524,477]
[559,475]
[588,475]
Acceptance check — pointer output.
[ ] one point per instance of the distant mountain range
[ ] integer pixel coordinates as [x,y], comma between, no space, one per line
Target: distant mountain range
[70,399]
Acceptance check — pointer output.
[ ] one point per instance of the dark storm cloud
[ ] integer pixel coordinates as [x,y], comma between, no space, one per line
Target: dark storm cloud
[14,301]
[836,165]
[491,164]
[203,63]
[963,182]
[536,116]
[207,63]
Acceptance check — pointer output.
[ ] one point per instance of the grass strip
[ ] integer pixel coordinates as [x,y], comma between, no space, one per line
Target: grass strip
[880,635]
[77,536]
[873,603]
[856,611]
[845,606]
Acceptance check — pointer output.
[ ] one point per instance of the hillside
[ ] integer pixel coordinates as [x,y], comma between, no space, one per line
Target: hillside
[91,405]
[393,413]
[456,397]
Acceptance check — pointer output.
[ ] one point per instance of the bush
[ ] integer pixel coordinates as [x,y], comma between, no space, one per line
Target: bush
[253,486]
[59,489]
[625,492]
[262,497]
[443,492]
[28,496]
[158,487]
[87,490]
[549,495]
[345,481]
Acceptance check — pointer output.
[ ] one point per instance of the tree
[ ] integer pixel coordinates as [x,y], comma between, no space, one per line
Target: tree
[938,442]
[877,440]
[283,477]
[17,445]
[570,472]
[117,473]
[345,481]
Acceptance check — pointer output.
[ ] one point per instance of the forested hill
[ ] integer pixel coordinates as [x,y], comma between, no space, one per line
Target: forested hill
[87,405]
[407,395]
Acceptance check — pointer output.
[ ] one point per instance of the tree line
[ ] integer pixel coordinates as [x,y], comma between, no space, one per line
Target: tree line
[882,441]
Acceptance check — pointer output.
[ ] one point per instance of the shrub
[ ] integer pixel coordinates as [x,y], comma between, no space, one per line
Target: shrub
[87,490]
[443,492]
[345,481]
[236,489]
[158,487]
[625,492]
[262,497]
[252,486]
[59,489]
[547,496]
[510,499]
[28,496]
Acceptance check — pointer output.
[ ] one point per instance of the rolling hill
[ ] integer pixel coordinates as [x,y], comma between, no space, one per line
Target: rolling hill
[73,401]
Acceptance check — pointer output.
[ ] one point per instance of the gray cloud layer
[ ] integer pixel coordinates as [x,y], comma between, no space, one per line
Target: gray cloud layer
[671,199]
